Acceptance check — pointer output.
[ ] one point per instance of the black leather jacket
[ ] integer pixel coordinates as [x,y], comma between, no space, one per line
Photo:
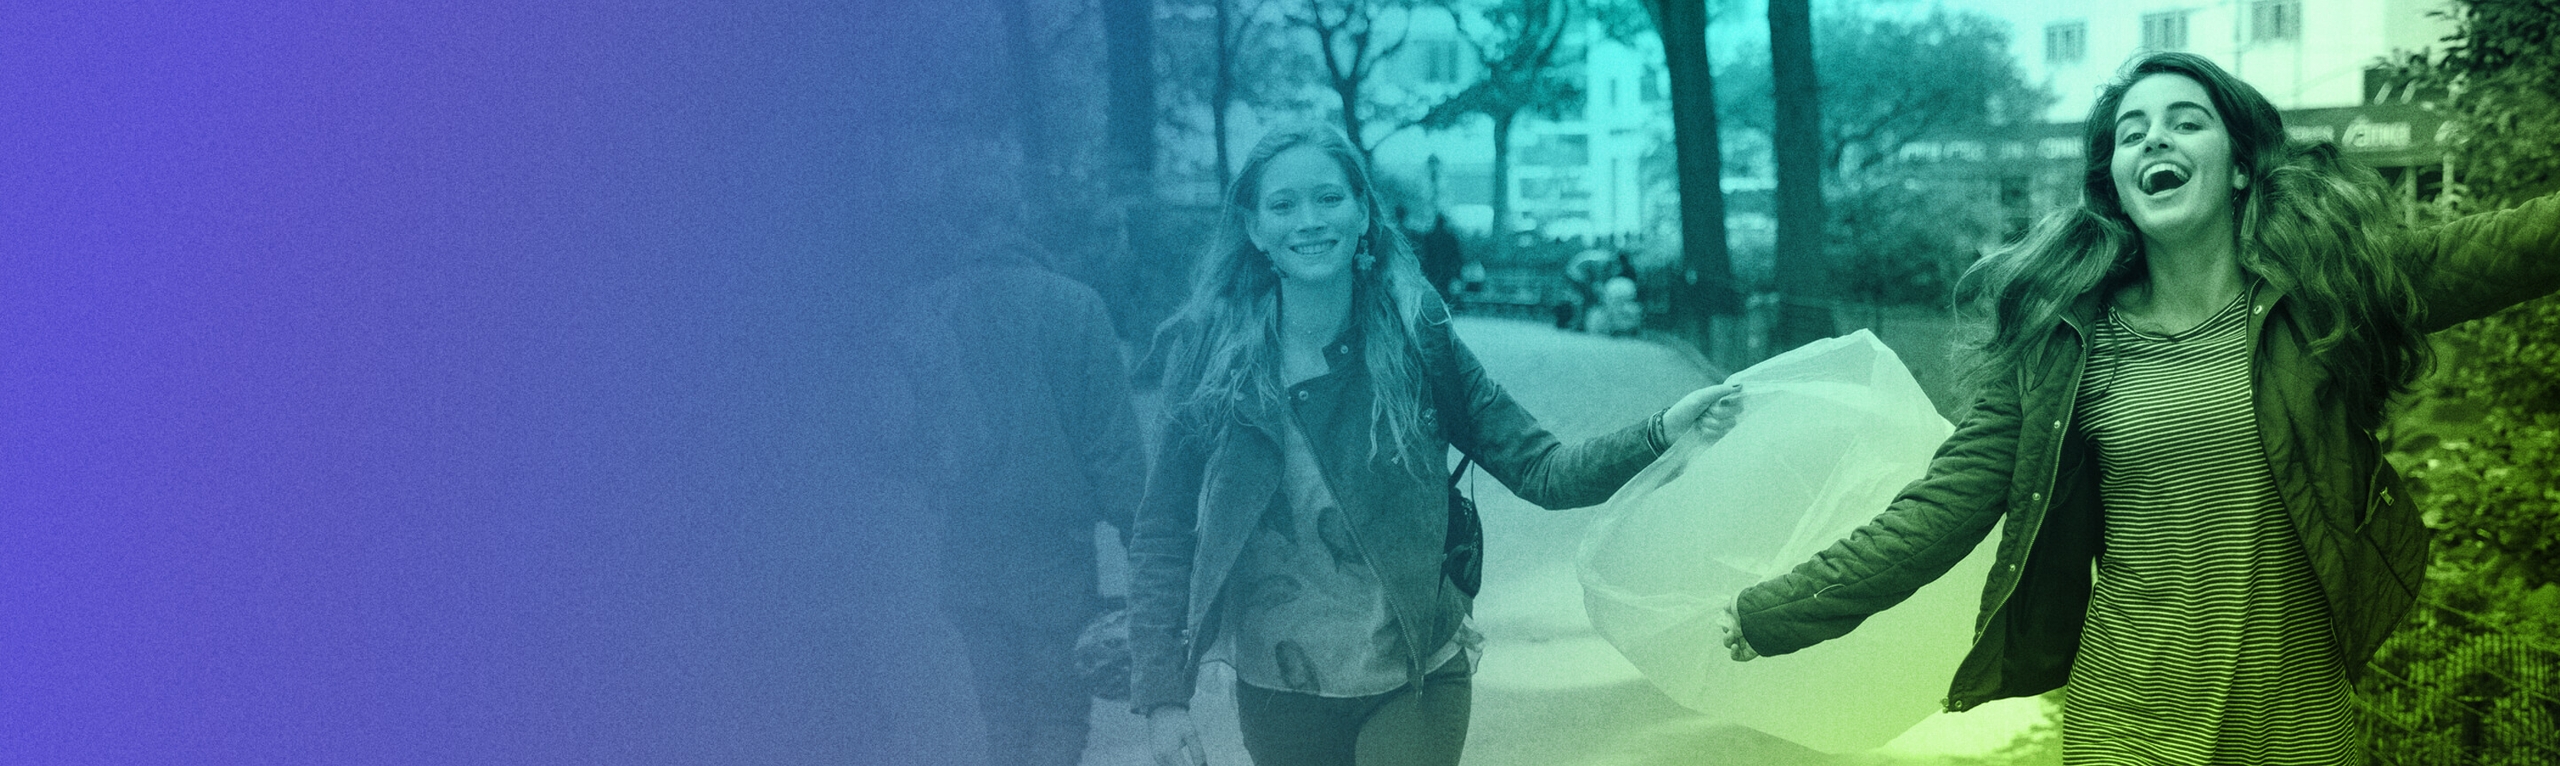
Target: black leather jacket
[1212,481]
[2019,459]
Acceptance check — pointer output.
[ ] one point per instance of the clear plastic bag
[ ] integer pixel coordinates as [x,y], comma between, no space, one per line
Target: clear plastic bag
[1828,434]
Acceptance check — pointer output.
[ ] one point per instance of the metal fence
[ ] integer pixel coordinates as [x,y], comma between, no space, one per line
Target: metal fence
[2456,688]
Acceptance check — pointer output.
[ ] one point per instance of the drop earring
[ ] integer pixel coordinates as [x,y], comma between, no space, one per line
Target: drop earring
[1364,260]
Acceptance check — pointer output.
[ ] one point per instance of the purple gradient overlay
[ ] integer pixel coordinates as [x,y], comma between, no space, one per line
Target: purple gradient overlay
[459,382]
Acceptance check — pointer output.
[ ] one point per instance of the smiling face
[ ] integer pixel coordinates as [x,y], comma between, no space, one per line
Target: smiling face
[2173,168]
[1306,216]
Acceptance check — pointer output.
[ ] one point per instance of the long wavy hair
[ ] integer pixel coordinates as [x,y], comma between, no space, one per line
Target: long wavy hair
[1222,347]
[2315,226]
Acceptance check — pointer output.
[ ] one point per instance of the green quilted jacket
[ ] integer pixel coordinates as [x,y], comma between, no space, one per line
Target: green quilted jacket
[2019,459]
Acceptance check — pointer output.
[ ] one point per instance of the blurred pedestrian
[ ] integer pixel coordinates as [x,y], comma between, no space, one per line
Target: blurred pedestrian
[1617,312]
[1443,259]
[1586,273]
[2182,386]
[1296,520]
[1031,439]
[1473,282]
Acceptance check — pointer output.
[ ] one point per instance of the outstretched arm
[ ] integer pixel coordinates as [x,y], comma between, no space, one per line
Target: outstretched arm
[1928,529]
[2481,264]
[1487,424]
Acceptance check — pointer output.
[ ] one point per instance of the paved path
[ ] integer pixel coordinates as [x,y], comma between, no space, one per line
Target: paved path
[1552,692]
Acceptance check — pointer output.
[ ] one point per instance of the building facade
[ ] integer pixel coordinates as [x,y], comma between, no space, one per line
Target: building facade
[2323,63]
[2303,54]
[1599,174]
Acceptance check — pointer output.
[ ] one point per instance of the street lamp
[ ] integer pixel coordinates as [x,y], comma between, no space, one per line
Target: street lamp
[1432,167]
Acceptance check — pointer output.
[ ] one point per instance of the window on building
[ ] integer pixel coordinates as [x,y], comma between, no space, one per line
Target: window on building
[2066,42]
[1581,108]
[2275,20]
[1439,61]
[1537,188]
[1558,186]
[1558,150]
[2164,31]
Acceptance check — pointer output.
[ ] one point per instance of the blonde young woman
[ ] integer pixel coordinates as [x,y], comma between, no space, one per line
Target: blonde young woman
[1294,518]
[2202,538]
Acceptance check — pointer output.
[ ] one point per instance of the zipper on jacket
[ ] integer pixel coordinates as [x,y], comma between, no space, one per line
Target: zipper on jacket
[2053,459]
[2257,332]
[1414,656]
[2258,340]
[2377,496]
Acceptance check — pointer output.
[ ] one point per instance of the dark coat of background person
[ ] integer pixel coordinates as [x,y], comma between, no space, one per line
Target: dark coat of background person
[1031,438]
[1443,258]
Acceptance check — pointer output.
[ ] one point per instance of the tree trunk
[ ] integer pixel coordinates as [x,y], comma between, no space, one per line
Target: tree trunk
[1707,293]
[1358,22]
[1502,228]
[1804,313]
[1349,90]
[1128,33]
[1222,90]
[1027,115]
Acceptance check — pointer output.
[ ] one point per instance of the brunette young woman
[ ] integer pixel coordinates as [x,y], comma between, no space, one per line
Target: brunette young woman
[1295,515]
[2175,422]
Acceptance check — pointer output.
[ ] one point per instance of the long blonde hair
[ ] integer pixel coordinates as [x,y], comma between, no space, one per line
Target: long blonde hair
[1222,346]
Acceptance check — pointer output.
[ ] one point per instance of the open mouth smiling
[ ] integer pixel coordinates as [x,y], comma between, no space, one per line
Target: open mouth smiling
[2162,177]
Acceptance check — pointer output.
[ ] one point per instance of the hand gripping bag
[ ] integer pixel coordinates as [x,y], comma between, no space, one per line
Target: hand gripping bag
[1828,434]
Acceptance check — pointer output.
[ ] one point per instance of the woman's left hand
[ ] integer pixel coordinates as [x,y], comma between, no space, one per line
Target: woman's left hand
[1710,410]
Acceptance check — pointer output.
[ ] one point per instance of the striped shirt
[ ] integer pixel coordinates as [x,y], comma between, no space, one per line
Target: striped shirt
[2208,639]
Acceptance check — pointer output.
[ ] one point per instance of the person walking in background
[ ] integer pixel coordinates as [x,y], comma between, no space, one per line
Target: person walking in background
[1295,519]
[1618,312]
[1587,273]
[2181,387]
[1030,438]
[1443,259]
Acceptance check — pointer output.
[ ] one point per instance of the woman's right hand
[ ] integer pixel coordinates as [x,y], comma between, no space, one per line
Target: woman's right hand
[1172,738]
[1731,623]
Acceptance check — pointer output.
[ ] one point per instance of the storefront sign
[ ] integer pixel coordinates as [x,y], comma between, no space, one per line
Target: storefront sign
[2381,135]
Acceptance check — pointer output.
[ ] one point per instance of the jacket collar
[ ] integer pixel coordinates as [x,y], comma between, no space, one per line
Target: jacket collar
[1341,353]
[1345,347]
[2085,309]
[2262,298]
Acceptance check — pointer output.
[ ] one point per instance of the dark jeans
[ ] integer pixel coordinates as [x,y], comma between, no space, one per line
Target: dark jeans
[1036,711]
[1405,727]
